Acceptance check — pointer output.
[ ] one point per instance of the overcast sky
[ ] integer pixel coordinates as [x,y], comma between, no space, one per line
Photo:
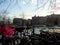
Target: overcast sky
[28,8]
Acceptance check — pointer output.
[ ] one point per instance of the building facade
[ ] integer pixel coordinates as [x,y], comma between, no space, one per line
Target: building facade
[38,20]
[53,20]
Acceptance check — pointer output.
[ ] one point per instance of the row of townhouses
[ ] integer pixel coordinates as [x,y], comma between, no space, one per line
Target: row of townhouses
[50,20]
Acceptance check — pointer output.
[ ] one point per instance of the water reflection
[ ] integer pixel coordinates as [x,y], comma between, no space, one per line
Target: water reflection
[37,30]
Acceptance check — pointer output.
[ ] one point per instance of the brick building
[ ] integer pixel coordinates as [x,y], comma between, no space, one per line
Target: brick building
[53,19]
[38,20]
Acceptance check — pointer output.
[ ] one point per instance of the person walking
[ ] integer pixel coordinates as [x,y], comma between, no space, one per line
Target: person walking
[6,33]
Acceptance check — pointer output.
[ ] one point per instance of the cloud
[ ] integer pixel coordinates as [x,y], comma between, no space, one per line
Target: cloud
[33,1]
[23,2]
[58,3]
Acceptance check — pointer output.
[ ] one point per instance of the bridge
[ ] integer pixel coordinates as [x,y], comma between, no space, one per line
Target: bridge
[20,28]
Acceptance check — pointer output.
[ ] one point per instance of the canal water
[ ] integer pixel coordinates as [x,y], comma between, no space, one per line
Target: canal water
[37,30]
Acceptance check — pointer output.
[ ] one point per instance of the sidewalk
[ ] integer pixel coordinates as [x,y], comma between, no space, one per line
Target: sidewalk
[0,43]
